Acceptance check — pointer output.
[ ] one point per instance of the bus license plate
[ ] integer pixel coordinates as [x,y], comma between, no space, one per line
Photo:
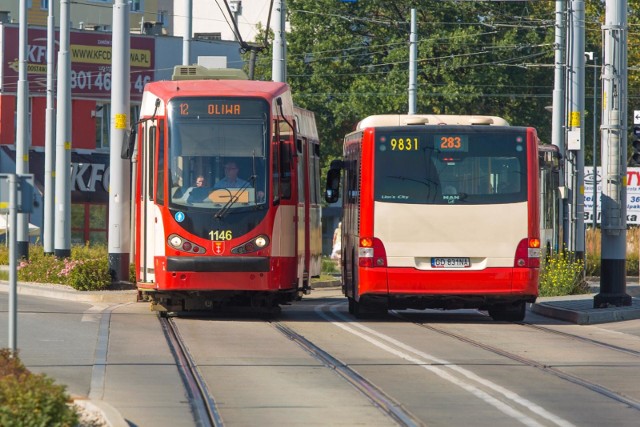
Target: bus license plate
[450,263]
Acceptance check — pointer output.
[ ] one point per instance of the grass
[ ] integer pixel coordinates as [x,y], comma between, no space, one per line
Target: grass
[593,242]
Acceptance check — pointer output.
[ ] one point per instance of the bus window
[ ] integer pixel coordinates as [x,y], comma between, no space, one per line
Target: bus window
[417,168]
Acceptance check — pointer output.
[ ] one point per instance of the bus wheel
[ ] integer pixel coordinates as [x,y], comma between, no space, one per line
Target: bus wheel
[508,313]
[352,304]
[366,310]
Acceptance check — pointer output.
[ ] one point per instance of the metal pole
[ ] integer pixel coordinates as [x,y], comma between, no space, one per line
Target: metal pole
[279,65]
[22,128]
[576,135]
[186,40]
[614,158]
[595,141]
[50,138]
[13,265]
[63,138]
[119,178]
[558,110]
[413,55]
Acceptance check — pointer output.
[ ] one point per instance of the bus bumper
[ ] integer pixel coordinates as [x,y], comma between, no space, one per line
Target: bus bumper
[412,288]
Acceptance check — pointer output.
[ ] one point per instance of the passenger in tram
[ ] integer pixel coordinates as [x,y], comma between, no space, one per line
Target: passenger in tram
[200,192]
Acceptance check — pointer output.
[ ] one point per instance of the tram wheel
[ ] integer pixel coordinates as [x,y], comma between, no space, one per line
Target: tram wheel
[508,313]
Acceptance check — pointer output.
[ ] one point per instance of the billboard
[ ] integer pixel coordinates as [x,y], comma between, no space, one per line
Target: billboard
[633,195]
[91,55]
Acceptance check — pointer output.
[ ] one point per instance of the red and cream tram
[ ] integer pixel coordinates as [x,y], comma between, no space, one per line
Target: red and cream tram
[226,190]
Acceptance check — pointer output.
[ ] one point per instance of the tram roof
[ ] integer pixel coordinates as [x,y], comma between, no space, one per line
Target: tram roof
[244,88]
[429,119]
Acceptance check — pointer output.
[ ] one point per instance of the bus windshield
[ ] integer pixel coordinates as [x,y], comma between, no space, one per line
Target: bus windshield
[218,153]
[451,165]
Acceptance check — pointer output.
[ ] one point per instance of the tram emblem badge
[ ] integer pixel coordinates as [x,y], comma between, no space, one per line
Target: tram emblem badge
[218,247]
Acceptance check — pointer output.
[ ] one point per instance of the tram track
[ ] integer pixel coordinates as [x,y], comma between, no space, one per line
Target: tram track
[608,346]
[589,385]
[380,399]
[204,407]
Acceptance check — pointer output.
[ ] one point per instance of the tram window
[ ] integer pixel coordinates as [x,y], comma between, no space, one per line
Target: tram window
[151,143]
[160,181]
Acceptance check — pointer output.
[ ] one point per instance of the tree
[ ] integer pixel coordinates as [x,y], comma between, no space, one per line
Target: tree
[346,61]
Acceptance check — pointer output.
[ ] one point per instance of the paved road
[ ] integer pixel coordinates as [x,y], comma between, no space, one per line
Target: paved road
[446,368]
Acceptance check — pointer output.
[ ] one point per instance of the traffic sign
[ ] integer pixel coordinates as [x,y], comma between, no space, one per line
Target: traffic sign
[636,117]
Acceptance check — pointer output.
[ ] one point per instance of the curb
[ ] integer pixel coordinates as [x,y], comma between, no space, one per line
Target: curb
[326,284]
[100,412]
[64,292]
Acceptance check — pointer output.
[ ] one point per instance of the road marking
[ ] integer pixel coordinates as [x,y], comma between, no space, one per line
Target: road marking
[424,361]
[94,313]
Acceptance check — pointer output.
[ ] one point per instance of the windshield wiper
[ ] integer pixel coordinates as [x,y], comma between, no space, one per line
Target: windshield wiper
[234,197]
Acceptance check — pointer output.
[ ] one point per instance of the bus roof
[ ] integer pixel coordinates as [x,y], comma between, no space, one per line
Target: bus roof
[428,119]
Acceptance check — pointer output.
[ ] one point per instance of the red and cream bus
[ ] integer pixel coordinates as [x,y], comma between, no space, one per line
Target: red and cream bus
[227,195]
[439,211]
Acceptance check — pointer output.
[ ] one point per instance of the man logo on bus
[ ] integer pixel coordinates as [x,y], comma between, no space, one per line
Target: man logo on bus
[218,247]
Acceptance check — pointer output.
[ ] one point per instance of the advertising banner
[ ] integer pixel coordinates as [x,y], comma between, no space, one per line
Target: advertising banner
[633,195]
[91,55]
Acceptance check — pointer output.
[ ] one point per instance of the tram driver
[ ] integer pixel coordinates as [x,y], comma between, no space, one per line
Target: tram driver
[231,180]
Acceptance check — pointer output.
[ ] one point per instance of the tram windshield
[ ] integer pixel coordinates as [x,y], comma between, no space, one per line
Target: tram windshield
[451,165]
[218,153]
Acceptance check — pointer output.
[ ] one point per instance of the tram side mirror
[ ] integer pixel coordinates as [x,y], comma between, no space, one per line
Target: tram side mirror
[332,193]
[128,145]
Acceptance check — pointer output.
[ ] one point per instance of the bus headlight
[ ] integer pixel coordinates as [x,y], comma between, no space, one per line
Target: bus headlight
[261,242]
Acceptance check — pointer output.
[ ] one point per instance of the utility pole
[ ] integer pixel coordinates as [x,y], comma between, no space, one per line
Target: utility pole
[50,138]
[186,40]
[119,178]
[22,129]
[63,138]
[593,57]
[279,64]
[614,155]
[413,56]
[575,135]
[558,111]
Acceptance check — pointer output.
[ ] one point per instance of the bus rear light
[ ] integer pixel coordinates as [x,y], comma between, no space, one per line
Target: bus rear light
[528,253]
[371,253]
[252,245]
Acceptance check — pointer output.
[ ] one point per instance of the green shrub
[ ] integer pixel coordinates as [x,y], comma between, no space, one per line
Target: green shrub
[562,274]
[27,399]
[330,266]
[90,275]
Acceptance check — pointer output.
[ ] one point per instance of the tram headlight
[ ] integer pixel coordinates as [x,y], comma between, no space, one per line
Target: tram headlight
[252,245]
[175,241]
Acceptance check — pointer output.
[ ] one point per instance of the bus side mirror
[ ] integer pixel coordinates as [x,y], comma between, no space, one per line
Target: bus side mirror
[127,146]
[332,193]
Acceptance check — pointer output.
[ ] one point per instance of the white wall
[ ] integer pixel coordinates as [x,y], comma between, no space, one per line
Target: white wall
[208,18]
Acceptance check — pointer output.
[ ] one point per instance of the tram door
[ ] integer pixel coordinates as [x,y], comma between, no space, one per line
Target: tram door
[149,218]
